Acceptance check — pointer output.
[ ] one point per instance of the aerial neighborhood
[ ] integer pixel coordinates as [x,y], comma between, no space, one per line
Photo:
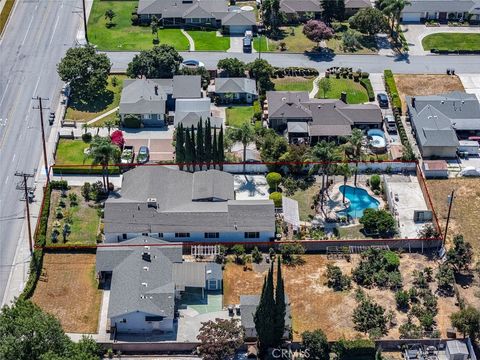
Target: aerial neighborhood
[261,179]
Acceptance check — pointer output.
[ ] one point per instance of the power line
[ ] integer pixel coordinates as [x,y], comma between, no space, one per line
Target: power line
[23,185]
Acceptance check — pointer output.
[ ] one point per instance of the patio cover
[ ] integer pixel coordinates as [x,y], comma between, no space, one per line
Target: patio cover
[290,211]
[297,127]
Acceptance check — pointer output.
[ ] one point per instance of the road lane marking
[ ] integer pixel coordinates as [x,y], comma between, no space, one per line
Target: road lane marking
[6,180]
[54,29]
[5,93]
[28,30]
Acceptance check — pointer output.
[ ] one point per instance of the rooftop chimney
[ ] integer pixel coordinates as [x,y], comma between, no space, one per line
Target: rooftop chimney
[152,203]
[156,89]
[146,256]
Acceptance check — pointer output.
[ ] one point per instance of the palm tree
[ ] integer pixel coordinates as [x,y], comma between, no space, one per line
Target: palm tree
[244,134]
[324,152]
[109,124]
[353,149]
[346,171]
[104,152]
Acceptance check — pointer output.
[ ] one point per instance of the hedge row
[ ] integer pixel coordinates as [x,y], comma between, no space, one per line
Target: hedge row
[368,86]
[392,90]
[40,240]
[349,349]
[460,52]
[59,170]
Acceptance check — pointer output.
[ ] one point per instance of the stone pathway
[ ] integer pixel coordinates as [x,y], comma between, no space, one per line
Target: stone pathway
[190,40]
[314,91]
[90,122]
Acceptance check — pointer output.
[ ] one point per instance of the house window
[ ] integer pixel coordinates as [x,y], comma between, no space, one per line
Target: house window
[195,20]
[252,235]
[153,318]
[124,236]
[146,116]
[212,284]
[160,235]
[212,235]
[145,234]
[182,235]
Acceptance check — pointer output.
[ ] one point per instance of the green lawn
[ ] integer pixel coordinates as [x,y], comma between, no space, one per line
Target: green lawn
[81,111]
[237,115]
[84,219]
[293,38]
[305,201]
[356,93]
[368,45]
[123,35]
[293,83]
[208,40]
[71,152]
[452,41]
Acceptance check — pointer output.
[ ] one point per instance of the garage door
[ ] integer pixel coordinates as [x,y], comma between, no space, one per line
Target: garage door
[411,17]
[239,29]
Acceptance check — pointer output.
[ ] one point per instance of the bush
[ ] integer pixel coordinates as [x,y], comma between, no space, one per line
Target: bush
[375,182]
[273,180]
[257,256]
[378,222]
[277,199]
[402,298]
[59,185]
[135,19]
[290,253]
[365,82]
[347,349]
[336,280]
[392,90]
[87,137]
[132,121]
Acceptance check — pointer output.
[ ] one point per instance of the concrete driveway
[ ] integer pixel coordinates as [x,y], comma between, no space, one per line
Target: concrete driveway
[471,83]
[236,44]
[414,34]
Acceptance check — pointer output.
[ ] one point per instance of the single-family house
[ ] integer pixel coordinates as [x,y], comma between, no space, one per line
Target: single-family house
[248,307]
[441,10]
[295,9]
[316,119]
[180,206]
[153,100]
[197,13]
[147,276]
[188,112]
[353,6]
[440,121]
[238,90]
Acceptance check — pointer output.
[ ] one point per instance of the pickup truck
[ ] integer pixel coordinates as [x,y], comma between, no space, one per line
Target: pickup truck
[128,154]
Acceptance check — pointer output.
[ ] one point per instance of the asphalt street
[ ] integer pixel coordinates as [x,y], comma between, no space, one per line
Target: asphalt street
[430,64]
[37,36]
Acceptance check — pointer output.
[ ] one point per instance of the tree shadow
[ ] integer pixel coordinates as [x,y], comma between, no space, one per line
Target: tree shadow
[96,104]
[464,279]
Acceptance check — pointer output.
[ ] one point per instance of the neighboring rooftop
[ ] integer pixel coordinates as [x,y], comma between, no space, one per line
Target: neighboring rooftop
[235,85]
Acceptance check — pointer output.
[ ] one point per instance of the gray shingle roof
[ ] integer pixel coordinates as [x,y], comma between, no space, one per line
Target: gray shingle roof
[182,9]
[176,210]
[148,286]
[357,4]
[294,6]
[233,18]
[288,104]
[440,6]
[143,96]
[190,111]
[187,86]
[235,85]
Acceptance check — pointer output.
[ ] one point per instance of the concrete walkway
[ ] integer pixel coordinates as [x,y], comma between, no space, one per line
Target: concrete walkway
[102,116]
[314,91]
[236,44]
[471,83]
[384,46]
[415,33]
[190,40]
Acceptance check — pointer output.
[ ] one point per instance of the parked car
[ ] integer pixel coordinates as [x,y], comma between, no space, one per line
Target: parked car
[128,154]
[249,33]
[143,155]
[382,100]
[247,44]
[51,118]
[390,124]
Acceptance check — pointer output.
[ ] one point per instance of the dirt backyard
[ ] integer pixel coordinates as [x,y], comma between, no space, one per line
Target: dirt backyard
[68,289]
[314,305]
[411,85]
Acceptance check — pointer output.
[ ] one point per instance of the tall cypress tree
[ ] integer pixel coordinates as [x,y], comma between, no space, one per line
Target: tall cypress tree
[265,314]
[220,150]
[194,149]
[280,307]
[188,148]
[200,146]
[214,147]
[180,146]
[340,10]
[208,142]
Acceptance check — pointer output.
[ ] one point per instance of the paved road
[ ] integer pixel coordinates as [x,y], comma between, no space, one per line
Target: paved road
[38,34]
[371,63]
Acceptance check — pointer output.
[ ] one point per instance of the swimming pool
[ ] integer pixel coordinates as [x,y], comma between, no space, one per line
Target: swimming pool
[359,201]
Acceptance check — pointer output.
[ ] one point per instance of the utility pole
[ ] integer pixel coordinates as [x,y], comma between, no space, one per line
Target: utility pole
[45,159]
[450,203]
[85,21]
[23,185]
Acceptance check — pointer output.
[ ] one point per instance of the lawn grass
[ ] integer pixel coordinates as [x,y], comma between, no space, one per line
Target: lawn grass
[261,43]
[356,93]
[123,35]
[305,201]
[69,291]
[5,13]
[85,219]
[293,83]
[293,37]
[110,99]
[71,152]
[452,41]
[237,115]
[368,44]
[208,40]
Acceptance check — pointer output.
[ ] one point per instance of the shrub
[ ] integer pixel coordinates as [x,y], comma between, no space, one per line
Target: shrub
[347,349]
[375,182]
[87,137]
[256,255]
[290,253]
[86,191]
[378,222]
[336,280]
[369,317]
[392,90]
[59,185]
[277,199]
[132,121]
[273,180]
[402,298]
[365,82]
[134,19]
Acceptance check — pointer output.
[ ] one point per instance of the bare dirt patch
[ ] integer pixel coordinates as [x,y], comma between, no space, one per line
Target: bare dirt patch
[465,209]
[315,306]
[418,85]
[69,291]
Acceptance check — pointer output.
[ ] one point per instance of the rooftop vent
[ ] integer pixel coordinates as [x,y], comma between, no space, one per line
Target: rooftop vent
[156,89]
[145,268]
[152,203]
[146,256]
[144,284]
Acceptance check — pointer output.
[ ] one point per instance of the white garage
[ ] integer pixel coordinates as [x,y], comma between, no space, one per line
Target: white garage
[238,29]
[412,17]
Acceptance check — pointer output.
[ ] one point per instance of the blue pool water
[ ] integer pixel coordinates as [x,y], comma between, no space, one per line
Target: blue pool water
[359,201]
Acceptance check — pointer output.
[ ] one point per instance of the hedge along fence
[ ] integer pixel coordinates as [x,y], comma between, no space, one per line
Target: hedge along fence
[368,86]
[83,170]
[40,239]
[392,91]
